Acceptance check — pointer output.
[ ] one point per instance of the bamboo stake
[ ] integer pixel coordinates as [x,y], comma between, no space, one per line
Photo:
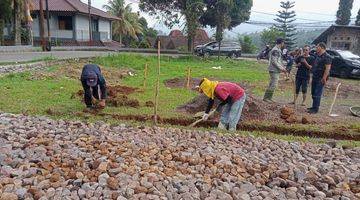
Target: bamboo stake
[157,87]
[188,77]
[145,75]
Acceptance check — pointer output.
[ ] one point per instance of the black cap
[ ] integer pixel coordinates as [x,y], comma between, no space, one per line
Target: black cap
[91,79]
[279,41]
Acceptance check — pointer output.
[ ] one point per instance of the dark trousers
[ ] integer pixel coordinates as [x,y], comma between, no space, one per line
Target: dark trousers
[90,92]
[317,89]
[301,83]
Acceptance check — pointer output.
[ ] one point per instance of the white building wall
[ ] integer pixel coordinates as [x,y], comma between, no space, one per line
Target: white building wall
[104,29]
[54,28]
[82,28]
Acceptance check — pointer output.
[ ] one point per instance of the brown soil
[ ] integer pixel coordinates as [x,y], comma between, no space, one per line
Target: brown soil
[149,104]
[117,96]
[336,133]
[254,109]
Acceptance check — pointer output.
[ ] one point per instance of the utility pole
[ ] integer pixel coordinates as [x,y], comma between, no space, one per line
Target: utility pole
[90,28]
[42,25]
[48,46]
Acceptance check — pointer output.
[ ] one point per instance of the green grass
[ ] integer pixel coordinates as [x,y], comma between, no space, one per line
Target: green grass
[22,93]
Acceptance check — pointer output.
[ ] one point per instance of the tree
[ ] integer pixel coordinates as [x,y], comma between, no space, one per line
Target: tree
[172,11]
[357,22]
[5,14]
[284,18]
[225,14]
[344,12]
[128,23]
[268,36]
[17,13]
[247,45]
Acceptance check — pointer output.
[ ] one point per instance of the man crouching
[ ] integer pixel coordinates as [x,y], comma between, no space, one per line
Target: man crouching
[94,85]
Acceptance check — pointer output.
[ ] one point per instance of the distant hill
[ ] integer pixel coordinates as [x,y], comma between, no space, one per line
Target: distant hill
[303,37]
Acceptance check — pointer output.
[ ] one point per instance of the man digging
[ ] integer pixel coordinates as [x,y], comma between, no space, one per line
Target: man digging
[275,68]
[232,99]
[94,85]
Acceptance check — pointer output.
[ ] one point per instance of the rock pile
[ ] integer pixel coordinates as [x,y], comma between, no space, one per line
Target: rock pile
[47,159]
[17,68]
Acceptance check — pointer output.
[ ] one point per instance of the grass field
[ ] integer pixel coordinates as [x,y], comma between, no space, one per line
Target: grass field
[34,94]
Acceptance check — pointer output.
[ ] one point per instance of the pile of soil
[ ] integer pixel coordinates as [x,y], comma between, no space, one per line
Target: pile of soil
[346,90]
[117,96]
[181,82]
[254,109]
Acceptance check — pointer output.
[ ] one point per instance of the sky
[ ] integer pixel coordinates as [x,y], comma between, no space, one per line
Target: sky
[311,14]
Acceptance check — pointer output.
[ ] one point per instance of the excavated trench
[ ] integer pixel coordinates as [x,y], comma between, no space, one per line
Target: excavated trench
[337,134]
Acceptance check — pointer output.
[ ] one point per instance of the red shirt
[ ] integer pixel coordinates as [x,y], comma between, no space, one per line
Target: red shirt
[225,89]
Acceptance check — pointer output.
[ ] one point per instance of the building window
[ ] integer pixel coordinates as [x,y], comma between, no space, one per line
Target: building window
[335,38]
[348,38]
[65,22]
[341,45]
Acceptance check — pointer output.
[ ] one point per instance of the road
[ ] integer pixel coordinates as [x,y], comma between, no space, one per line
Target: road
[32,56]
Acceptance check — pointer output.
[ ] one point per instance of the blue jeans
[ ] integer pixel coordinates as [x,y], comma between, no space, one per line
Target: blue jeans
[231,113]
[317,89]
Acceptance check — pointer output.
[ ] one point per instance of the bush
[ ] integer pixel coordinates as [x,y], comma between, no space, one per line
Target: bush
[246,44]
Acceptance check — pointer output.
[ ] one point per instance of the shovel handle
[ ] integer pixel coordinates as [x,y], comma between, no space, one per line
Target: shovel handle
[333,103]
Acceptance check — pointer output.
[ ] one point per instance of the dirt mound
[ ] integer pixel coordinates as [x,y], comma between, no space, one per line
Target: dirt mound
[117,96]
[149,104]
[254,109]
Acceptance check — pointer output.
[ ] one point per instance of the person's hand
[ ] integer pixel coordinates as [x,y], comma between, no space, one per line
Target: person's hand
[93,100]
[102,104]
[323,81]
[205,117]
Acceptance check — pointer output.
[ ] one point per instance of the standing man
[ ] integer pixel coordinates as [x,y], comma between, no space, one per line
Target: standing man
[321,72]
[275,68]
[304,63]
[94,85]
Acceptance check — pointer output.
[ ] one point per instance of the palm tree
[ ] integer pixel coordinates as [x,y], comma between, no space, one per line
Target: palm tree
[128,23]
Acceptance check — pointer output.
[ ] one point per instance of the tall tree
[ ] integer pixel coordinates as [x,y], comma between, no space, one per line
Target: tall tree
[17,13]
[225,14]
[344,12]
[5,14]
[172,11]
[285,18]
[357,22]
[268,36]
[128,23]
[247,45]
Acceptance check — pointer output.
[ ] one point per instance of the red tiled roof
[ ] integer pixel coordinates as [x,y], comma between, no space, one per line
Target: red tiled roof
[175,33]
[73,6]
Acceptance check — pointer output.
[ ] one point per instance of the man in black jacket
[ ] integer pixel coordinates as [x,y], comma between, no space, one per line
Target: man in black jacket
[94,85]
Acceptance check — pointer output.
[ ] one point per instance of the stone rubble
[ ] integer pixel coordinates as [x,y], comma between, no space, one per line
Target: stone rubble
[42,158]
[17,68]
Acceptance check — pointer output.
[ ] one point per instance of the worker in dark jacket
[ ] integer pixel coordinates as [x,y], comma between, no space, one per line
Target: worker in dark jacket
[94,85]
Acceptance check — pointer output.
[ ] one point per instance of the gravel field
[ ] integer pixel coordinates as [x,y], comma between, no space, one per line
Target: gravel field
[42,158]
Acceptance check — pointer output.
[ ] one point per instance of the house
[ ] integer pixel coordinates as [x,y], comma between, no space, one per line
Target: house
[69,23]
[341,37]
[176,39]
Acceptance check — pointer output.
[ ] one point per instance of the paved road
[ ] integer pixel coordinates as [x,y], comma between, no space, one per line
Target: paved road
[30,56]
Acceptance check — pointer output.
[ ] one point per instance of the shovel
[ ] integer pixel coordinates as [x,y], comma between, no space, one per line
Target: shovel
[333,103]
[200,120]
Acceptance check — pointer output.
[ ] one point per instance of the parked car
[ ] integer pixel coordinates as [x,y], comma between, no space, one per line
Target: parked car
[345,64]
[229,49]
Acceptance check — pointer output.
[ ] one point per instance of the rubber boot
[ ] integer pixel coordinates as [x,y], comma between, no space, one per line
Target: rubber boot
[304,99]
[221,126]
[267,95]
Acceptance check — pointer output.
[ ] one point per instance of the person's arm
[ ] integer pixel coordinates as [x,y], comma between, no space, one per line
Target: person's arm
[326,74]
[227,100]
[328,62]
[102,84]
[307,65]
[209,105]
[87,93]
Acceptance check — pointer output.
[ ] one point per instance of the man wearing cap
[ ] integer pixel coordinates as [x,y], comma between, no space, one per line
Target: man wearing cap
[94,85]
[275,68]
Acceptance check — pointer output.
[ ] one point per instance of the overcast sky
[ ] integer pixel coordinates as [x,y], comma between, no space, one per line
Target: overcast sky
[308,12]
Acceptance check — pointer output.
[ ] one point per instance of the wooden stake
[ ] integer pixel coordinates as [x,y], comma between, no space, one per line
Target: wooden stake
[157,86]
[188,77]
[333,103]
[145,75]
